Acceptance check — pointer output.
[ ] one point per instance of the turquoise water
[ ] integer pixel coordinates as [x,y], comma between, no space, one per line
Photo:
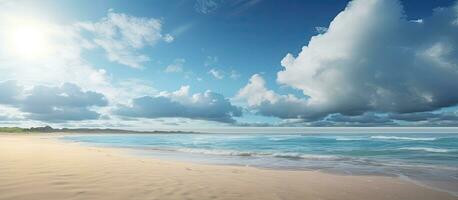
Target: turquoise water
[429,159]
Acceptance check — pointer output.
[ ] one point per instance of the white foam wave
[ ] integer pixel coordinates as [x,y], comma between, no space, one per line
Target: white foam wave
[348,139]
[215,152]
[258,154]
[283,137]
[434,150]
[403,138]
[304,156]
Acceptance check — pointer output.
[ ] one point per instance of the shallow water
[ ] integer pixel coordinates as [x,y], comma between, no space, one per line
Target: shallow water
[428,159]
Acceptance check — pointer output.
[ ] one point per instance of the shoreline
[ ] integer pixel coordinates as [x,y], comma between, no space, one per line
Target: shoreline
[100,172]
[215,159]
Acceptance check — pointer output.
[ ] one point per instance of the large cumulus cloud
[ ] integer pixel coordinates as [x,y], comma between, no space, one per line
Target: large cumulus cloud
[448,116]
[67,102]
[53,104]
[206,106]
[9,92]
[373,58]
[269,103]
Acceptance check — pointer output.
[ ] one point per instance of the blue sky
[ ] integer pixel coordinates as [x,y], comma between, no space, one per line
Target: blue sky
[205,63]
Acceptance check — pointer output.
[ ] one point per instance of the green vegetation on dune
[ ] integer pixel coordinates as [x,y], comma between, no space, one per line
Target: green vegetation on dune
[11,130]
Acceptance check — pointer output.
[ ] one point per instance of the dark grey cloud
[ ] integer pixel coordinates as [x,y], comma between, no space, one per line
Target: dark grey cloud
[151,107]
[366,118]
[255,124]
[371,59]
[425,116]
[67,102]
[9,92]
[207,106]
[45,103]
[434,119]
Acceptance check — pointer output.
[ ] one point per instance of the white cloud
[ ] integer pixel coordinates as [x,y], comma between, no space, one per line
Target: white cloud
[205,106]
[420,21]
[64,60]
[374,65]
[10,113]
[121,35]
[255,92]
[216,73]
[320,29]
[130,88]
[207,6]
[234,75]
[168,38]
[267,102]
[210,61]
[373,59]
[176,66]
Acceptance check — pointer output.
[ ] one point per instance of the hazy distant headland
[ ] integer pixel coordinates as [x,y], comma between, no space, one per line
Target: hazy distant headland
[242,130]
[49,129]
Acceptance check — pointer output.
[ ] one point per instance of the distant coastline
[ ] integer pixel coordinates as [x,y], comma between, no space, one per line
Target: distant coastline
[241,130]
[49,129]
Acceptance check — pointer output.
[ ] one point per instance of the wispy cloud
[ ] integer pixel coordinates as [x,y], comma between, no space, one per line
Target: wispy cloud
[234,75]
[320,29]
[216,73]
[121,35]
[179,30]
[207,6]
[210,61]
[236,7]
[176,66]
[241,6]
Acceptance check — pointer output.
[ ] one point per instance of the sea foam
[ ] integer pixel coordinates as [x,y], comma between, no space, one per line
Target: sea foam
[434,150]
[381,137]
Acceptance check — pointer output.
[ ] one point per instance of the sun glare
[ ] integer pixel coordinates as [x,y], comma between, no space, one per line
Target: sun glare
[29,41]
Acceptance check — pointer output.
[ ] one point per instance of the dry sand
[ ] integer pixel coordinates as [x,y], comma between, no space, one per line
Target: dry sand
[40,167]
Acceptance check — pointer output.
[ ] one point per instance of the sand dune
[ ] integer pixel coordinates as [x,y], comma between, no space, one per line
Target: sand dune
[39,167]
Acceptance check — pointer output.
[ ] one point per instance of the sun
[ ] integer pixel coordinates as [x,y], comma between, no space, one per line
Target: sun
[29,41]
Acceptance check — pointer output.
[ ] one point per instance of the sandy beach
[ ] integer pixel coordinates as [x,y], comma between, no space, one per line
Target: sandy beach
[40,167]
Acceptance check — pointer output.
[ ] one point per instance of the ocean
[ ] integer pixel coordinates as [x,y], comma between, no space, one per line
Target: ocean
[430,160]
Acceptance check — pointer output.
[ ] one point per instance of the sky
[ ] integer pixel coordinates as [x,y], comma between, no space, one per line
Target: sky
[175,64]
